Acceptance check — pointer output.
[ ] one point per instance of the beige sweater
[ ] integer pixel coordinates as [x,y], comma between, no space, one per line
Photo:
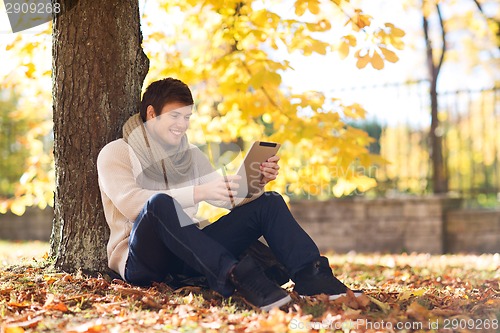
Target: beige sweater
[123,197]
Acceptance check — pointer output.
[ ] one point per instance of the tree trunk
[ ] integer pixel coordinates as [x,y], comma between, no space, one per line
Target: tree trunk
[98,71]
[439,174]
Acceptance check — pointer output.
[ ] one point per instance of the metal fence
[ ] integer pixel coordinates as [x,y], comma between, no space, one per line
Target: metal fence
[470,127]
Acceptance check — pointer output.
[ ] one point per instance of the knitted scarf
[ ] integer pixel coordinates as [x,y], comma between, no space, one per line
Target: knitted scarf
[161,163]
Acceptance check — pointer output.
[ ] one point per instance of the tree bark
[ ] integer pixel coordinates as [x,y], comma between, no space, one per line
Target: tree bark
[98,70]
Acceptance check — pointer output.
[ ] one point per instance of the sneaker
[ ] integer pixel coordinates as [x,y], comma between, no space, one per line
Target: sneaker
[256,287]
[317,278]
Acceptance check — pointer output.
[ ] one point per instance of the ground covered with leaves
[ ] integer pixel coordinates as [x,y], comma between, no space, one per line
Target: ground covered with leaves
[404,293]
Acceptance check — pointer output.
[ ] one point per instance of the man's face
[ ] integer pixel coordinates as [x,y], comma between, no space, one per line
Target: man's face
[173,122]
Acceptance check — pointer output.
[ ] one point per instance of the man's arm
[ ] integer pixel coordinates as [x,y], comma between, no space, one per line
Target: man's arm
[208,174]
[117,181]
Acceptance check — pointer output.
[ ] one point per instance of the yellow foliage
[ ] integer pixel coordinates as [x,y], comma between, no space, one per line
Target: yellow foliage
[389,55]
[320,26]
[238,88]
[377,61]
[302,5]
[362,60]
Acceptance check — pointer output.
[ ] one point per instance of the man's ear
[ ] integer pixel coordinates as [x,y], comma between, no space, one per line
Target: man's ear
[150,112]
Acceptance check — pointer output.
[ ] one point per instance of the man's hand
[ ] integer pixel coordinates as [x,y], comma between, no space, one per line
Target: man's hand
[269,169]
[222,188]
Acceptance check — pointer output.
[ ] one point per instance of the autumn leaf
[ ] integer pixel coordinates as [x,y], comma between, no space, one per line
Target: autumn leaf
[313,6]
[417,312]
[390,282]
[377,61]
[13,329]
[389,55]
[362,62]
[343,50]
[300,7]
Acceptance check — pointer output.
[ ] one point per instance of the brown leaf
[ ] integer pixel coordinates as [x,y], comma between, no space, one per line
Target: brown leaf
[187,290]
[57,306]
[129,291]
[67,278]
[6,291]
[363,301]
[148,301]
[21,305]
[381,305]
[97,283]
[351,314]
[417,312]
[120,282]
[444,312]
[51,303]
[322,298]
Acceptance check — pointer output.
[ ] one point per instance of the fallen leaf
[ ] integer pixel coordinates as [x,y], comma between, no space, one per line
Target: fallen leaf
[444,312]
[363,301]
[417,312]
[21,305]
[382,306]
[150,302]
[13,329]
[129,291]
[57,306]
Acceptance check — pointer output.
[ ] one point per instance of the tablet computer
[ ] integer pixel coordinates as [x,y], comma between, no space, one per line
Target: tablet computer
[249,170]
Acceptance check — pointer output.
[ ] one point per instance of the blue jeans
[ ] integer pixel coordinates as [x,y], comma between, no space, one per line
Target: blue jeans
[163,243]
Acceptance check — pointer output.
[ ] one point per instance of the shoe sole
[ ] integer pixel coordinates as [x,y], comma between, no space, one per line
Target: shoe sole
[277,304]
[334,297]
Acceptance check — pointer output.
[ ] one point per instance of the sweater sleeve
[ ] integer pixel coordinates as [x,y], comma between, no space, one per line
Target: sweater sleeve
[117,181]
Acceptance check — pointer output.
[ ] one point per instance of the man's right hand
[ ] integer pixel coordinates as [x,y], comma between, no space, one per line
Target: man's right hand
[222,188]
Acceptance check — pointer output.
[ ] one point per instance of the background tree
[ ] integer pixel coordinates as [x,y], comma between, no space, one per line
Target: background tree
[439,177]
[98,71]
[28,58]
[473,30]
[13,155]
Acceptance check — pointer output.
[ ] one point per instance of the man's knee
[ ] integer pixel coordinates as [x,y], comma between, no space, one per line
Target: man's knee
[167,210]
[158,202]
[273,198]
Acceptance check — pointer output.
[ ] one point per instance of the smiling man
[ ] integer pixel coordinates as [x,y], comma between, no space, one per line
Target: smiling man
[152,181]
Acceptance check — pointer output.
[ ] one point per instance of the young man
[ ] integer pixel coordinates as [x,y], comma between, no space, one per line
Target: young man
[151,182]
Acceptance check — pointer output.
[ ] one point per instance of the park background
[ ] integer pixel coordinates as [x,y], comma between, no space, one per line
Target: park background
[361,98]
[392,104]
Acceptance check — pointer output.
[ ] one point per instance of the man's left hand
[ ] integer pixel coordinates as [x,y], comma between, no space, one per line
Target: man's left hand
[269,169]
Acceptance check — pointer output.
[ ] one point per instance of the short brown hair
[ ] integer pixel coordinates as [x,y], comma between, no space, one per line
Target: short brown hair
[165,91]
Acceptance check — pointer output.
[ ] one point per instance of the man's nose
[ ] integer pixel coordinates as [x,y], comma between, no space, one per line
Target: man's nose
[182,123]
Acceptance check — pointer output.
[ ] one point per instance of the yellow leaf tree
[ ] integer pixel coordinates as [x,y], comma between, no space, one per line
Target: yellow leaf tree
[233,54]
